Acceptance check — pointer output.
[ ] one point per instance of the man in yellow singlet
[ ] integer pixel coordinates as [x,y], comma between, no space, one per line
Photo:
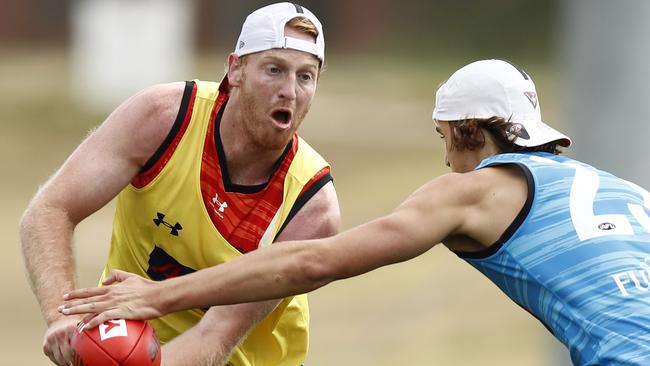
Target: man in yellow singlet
[203,172]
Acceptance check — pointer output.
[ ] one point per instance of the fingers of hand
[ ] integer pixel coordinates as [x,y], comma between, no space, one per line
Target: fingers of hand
[92,319]
[82,307]
[57,345]
[83,293]
[66,350]
[89,300]
[97,319]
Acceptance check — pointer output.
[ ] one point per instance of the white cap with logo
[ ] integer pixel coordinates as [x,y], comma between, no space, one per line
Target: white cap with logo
[263,30]
[496,88]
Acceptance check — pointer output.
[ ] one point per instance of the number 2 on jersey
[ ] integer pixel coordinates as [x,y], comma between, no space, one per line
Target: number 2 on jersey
[589,225]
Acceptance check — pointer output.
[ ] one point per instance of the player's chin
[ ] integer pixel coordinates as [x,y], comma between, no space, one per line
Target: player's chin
[276,140]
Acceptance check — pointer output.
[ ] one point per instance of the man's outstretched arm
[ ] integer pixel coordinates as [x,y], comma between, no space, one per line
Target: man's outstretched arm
[423,220]
[214,338]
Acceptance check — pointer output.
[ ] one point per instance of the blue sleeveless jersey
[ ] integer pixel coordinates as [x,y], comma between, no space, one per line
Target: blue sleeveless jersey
[578,258]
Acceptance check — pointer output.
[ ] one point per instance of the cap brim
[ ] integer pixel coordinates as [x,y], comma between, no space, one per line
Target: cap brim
[540,133]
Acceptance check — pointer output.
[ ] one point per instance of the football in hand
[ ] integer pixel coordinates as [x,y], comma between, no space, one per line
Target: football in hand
[116,343]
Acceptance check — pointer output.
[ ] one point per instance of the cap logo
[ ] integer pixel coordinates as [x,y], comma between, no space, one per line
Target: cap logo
[517,130]
[532,98]
[241,44]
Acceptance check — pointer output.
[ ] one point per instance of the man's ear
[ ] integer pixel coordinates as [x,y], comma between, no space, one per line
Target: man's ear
[235,71]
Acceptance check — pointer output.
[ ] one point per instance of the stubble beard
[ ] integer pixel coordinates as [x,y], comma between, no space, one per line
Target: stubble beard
[254,120]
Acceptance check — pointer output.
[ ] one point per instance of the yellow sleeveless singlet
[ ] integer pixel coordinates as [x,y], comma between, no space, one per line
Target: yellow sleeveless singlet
[165,227]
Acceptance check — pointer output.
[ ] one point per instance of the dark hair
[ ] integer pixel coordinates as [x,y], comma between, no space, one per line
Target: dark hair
[469,134]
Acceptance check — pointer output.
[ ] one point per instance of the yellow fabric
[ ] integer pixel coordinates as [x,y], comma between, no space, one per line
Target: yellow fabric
[281,338]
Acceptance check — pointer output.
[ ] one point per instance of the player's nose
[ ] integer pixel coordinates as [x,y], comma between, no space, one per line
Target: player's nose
[288,87]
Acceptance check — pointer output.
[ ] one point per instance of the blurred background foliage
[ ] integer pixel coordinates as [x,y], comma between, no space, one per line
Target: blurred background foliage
[442,28]
[366,36]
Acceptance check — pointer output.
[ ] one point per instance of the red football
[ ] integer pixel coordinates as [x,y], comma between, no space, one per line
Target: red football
[117,343]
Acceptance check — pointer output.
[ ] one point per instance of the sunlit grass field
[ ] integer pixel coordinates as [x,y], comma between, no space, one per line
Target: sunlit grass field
[371,120]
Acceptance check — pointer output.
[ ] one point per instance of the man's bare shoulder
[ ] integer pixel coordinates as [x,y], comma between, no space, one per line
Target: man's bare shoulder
[504,179]
[319,217]
[158,102]
[496,195]
[476,185]
[480,203]
[145,119]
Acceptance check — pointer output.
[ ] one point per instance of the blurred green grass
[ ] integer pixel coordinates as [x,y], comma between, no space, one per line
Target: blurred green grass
[371,120]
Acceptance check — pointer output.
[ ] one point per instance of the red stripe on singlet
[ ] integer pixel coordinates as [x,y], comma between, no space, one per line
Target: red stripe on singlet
[316,177]
[241,218]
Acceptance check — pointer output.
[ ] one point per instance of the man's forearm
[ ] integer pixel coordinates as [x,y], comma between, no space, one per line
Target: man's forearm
[275,272]
[181,353]
[46,236]
[212,341]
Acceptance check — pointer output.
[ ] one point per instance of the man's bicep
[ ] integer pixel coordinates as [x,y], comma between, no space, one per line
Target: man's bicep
[426,218]
[89,178]
[107,160]
[436,211]
[320,217]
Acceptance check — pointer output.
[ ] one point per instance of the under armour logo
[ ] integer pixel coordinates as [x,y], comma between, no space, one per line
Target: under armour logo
[174,228]
[222,205]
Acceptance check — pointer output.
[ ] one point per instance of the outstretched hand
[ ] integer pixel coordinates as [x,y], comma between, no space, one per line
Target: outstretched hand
[123,296]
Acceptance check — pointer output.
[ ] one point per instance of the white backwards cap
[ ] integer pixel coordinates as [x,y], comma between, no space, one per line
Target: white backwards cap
[263,30]
[496,88]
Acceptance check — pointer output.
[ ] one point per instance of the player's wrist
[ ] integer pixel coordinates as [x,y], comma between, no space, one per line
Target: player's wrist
[169,293]
[64,319]
[52,316]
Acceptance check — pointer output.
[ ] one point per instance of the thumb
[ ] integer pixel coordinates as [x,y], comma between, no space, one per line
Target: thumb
[116,275]
[90,321]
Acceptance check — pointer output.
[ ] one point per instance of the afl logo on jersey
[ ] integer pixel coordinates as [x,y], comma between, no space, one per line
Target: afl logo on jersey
[606,226]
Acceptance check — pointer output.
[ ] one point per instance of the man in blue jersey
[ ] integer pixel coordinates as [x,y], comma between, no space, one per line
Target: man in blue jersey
[564,240]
